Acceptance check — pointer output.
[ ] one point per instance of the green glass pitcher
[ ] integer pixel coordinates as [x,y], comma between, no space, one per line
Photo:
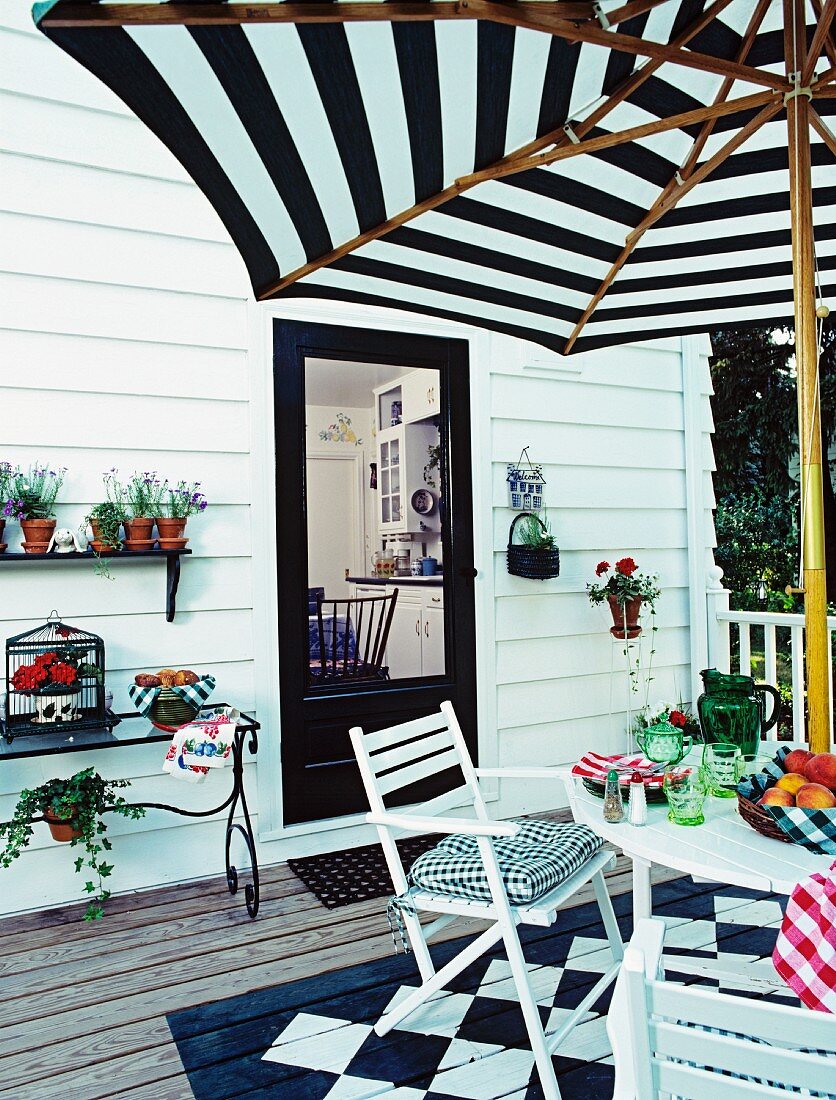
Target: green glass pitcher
[732,710]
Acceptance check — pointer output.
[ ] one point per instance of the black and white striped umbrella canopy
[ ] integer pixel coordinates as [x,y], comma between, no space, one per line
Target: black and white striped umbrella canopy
[366,152]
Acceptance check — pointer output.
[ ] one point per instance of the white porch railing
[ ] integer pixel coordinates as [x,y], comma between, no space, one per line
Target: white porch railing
[761,637]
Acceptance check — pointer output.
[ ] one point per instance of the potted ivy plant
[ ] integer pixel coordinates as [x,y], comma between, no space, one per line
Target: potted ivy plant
[73,809]
[105,519]
[182,500]
[625,590]
[31,500]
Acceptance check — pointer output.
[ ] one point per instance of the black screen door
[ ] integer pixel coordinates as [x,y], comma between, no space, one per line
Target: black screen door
[320,777]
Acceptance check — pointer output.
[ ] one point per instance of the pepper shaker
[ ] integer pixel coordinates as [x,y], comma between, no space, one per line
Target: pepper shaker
[637,810]
[613,806]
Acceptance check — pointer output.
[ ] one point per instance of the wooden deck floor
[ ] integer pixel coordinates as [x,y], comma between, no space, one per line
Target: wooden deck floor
[83,1007]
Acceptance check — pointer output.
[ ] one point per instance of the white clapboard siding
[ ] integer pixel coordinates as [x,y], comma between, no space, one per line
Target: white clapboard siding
[561,442]
[97,196]
[577,401]
[585,529]
[123,342]
[594,487]
[104,254]
[89,364]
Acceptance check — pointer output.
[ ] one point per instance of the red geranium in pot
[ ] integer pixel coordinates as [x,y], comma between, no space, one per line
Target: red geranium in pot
[625,590]
[53,682]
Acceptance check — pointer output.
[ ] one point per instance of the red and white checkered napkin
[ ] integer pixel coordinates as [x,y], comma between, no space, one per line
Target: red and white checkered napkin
[594,766]
[805,953]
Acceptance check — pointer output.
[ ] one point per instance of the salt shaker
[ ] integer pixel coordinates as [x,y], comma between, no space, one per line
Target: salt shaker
[613,806]
[637,810]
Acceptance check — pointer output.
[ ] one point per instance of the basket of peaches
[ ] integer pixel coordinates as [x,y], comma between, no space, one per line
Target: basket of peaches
[793,799]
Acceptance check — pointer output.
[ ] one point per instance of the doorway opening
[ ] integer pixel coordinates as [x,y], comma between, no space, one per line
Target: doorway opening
[375,549]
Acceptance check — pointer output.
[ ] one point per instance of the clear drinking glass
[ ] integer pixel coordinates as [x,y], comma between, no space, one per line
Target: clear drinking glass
[685,790]
[721,763]
[750,763]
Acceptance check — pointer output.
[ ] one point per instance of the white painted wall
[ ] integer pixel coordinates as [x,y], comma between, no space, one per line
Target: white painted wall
[127,338]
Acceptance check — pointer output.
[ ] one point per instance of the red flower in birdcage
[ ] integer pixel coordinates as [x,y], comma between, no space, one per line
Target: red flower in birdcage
[28,678]
[44,660]
[63,674]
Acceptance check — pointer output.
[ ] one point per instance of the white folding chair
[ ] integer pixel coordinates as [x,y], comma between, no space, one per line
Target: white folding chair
[685,1041]
[394,758]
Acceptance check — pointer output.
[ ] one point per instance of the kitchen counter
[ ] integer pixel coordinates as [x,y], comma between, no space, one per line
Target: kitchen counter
[397,581]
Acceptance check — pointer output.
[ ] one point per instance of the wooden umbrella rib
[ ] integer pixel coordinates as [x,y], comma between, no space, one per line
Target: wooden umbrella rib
[823,130]
[528,15]
[821,36]
[621,137]
[665,203]
[746,43]
[554,137]
[829,44]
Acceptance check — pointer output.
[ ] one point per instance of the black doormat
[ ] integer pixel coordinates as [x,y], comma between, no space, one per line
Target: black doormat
[357,874]
[312,1039]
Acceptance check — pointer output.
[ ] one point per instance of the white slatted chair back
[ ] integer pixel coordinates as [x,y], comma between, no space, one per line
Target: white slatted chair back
[401,755]
[675,1040]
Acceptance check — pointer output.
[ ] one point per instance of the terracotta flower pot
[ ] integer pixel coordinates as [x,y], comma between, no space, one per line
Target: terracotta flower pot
[625,618]
[99,542]
[3,545]
[36,534]
[170,533]
[138,533]
[63,829]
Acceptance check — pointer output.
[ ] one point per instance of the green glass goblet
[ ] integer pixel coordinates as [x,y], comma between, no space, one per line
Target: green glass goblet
[686,790]
[721,763]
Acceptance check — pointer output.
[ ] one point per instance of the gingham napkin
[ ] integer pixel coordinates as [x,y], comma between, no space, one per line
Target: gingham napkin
[143,698]
[805,952]
[593,766]
[813,829]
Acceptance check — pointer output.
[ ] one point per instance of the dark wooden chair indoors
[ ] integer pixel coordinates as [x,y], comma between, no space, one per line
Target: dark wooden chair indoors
[352,638]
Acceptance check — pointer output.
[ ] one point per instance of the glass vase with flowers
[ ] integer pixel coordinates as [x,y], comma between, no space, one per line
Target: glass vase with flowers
[30,499]
[181,501]
[625,589]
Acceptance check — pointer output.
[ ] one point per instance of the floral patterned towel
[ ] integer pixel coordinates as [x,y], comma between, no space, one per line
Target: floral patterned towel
[208,740]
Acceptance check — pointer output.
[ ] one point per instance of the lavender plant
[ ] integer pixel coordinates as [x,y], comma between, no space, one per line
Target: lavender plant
[32,494]
[185,500]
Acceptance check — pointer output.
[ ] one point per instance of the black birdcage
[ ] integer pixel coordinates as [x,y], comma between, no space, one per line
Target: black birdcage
[54,680]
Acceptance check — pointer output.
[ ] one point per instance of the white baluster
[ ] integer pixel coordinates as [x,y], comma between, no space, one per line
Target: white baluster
[797,646]
[745,649]
[770,655]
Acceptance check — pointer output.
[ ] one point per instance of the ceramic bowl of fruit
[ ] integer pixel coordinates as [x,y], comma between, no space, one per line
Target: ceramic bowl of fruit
[794,799]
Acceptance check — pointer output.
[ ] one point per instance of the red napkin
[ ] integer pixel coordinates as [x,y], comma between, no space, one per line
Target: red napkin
[594,766]
[805,952]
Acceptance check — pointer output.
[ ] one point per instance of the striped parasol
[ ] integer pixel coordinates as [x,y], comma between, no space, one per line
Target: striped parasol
[574,173]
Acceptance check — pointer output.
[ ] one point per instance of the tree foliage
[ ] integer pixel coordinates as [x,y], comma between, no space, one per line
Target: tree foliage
[756,450]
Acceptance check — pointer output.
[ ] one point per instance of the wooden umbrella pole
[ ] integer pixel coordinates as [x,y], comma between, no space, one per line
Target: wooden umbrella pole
[809,434]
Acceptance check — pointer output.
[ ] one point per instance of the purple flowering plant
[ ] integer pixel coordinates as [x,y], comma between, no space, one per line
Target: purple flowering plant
[30,494]
[141,496]
[185,499]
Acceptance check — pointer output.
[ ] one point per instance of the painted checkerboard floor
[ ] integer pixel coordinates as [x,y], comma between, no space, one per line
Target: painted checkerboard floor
[313,1039]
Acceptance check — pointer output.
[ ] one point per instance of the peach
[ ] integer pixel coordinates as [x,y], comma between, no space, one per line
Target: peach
[813,796]
[776,796]
[791,782]
[798,760]
[822,769]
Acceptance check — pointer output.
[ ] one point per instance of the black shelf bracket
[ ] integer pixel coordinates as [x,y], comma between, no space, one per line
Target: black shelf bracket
[172,571]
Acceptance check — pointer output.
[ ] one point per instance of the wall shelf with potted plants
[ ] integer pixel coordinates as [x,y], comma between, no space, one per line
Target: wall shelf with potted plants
[144,501]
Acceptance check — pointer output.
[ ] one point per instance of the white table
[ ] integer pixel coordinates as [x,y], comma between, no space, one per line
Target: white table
[724,849]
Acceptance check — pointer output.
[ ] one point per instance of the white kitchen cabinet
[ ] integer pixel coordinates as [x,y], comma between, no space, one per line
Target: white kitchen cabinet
[416,637]
[402,454]
[420,395]
[403,650]
[432,642]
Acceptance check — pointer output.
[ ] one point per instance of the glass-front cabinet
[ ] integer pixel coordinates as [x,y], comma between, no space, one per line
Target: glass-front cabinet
[407,436]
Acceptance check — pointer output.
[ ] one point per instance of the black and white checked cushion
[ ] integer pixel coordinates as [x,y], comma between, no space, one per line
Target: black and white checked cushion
[537,859]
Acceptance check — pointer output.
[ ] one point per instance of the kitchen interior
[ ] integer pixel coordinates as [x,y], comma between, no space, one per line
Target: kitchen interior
[374,508]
